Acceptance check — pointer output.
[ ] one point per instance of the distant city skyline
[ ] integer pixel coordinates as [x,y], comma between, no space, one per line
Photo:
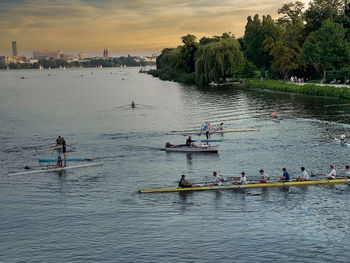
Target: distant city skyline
[135,27]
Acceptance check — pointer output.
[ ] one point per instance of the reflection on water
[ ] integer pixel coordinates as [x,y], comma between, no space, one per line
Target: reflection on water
[96,214]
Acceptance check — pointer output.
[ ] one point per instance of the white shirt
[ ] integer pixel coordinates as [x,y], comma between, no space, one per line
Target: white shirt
[332,174]
[342,137]
[264,176]
[218,179]
[347,173]
[304,175]
[243,179]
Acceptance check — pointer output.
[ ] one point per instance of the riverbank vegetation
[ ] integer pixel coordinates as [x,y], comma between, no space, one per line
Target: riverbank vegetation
[312,43]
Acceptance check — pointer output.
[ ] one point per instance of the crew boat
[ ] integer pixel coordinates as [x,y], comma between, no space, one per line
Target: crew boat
[211,148]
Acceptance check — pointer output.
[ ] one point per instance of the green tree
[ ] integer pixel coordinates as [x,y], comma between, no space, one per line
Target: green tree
[327,47]
[188,50]
[217,60]
[246,70]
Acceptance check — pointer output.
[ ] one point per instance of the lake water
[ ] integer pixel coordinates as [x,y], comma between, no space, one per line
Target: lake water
[96,214]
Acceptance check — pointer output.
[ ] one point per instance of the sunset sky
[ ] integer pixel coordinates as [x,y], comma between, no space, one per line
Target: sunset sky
[137,27]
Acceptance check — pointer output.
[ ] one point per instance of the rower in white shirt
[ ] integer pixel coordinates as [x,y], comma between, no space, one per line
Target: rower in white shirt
[218,179]
[332,174]
[242,179]
[347,172]
[264,177]
[304,175]
[342,137]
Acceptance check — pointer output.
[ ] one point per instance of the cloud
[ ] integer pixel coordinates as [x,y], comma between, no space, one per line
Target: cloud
[122,26]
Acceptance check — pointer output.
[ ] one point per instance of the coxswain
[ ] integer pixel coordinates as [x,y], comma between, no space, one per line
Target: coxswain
[64,147]
[189,141]
[347,172]
[264,177]
[133,104]
[342,137]
[332,174]
[242,179]
[59,162]
[183,183]
[285,176]
[218,179]
[304,175]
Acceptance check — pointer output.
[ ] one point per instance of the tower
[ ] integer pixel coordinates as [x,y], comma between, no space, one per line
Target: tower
[14,48]
[105,53]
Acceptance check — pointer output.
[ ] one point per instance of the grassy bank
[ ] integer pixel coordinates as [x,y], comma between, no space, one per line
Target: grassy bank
[307,89]
[181,77]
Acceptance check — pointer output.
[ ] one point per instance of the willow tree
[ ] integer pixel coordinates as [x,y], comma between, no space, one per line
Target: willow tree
[217,60]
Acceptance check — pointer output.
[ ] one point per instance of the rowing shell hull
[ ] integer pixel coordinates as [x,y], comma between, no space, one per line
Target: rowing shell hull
[246,186]
[57,169]
[204,148]
[211,132]
[64,160]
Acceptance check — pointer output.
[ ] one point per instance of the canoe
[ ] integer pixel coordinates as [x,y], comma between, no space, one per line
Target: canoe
[57,169]
[65,160]
[193,148]
[211,132]
[246,186]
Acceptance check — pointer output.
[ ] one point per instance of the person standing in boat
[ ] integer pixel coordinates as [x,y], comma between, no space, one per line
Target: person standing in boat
[285,176]
[304,175]
[64,147]
[264,177]
[183,183]
[206,129]
[189,141]
[59,163]
[58,142]
[332,174]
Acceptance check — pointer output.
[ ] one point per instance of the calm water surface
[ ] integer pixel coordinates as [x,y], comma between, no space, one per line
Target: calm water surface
[96,214]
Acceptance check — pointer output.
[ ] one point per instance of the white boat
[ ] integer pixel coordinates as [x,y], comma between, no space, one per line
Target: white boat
[212,131]
[194,148]
[57,169]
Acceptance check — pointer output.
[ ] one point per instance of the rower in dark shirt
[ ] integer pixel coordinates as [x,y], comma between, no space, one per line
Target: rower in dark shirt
[63,143]
[189,141]
[183,183]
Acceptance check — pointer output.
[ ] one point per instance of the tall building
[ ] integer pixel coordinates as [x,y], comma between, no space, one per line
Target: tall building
[14,48]
[105,53]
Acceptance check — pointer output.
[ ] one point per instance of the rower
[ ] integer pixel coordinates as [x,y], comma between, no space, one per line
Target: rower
[347,172]
[63,143]
[58,141]
[183,183]
[59,163]
[133,104]
[332,174]
[304,175]
[342,137]
[189,141]
[218,179]
[242,179]
[285,176]
[221,126]
[264,177]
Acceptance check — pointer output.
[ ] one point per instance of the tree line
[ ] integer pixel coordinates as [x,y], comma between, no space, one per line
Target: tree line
[308,43]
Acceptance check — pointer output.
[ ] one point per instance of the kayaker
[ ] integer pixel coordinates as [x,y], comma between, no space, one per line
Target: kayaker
[242,179]
[304,175]
[218,179]
[189,141]
[285,176]
[332,174]
[59,162]
[342,137]
[347,172]
[64,147]
[264,177]
[183,183]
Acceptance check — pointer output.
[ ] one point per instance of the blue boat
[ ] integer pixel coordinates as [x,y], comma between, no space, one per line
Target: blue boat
[65,160]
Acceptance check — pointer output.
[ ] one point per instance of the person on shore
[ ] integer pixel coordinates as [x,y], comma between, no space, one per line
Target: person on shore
[342,137]
[347,172]
[189,141]
[64,147]
[242,179]
[218,179]
[59,163]
[264,177]
[304,175]
[332,174]
[183,183]
[285,176]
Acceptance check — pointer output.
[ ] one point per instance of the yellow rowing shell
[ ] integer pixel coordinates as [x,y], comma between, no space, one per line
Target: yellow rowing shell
[246,186]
